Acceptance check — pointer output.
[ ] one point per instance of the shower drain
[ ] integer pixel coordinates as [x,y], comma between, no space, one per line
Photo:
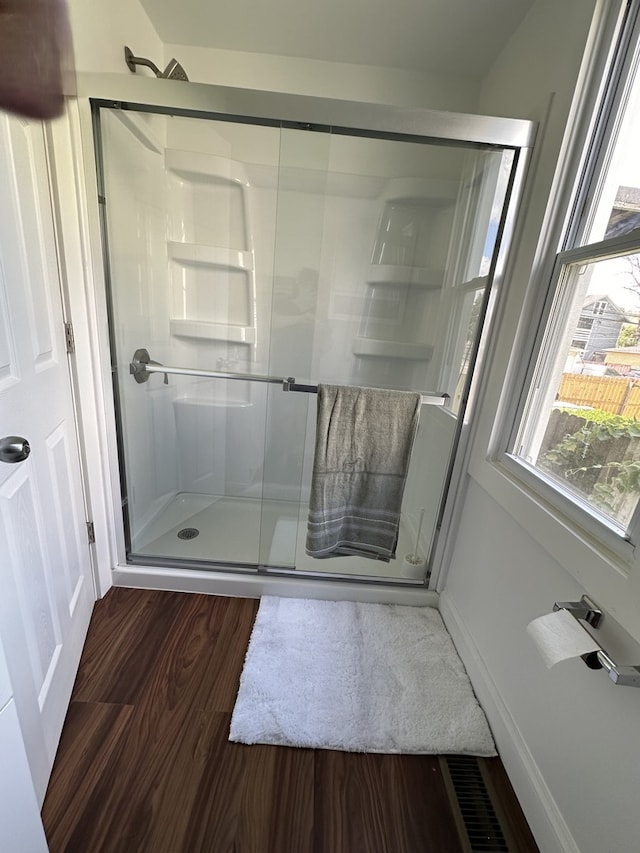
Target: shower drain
[188,533]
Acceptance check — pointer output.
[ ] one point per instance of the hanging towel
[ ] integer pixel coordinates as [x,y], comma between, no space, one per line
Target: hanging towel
[363,446]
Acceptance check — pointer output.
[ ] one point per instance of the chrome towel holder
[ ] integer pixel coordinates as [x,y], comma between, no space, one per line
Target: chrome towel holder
[141,366]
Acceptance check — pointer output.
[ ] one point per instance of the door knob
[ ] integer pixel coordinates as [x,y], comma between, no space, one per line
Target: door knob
[14,448]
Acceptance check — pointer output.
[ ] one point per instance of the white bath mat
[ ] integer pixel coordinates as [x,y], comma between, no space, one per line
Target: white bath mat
[356,677]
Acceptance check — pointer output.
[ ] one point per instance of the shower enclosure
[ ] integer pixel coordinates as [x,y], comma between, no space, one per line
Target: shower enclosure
[251,256]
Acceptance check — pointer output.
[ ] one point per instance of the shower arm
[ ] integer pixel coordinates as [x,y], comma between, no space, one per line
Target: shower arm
[132,61]
[142,366]
[173,71]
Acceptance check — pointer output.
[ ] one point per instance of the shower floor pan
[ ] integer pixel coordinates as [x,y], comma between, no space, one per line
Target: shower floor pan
[250,531]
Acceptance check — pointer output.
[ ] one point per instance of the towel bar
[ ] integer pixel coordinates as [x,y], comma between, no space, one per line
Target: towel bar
[141,366]
[587,611]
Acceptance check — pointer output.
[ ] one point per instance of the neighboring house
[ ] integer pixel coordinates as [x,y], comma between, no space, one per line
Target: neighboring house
[598,327]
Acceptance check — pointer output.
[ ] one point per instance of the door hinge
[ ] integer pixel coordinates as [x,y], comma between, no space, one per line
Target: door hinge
[91,533]
[69,339]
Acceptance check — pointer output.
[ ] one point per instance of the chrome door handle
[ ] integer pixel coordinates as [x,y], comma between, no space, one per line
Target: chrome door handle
[14,448]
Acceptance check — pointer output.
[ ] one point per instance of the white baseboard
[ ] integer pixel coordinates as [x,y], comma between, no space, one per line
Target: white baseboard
[543,815]
[255,585]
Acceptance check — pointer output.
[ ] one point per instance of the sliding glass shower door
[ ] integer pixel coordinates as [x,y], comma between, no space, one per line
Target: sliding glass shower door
[240,254]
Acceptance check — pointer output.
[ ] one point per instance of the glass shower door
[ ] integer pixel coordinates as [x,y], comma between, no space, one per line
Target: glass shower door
[190,211]
[240,251]
[384,250]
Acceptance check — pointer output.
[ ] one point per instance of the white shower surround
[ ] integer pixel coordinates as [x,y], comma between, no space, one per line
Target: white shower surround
[206,436]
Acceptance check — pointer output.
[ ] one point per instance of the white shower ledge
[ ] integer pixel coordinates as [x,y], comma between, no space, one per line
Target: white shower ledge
[181,327]
[425,277]
[204,255]
[371,347]
[205,168]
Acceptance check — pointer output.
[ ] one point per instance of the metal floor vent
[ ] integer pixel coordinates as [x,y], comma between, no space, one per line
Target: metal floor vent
[188,533]
[480,821]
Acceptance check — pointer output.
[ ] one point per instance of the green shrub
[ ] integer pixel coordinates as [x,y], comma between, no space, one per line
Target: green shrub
[592,457]
[597,416]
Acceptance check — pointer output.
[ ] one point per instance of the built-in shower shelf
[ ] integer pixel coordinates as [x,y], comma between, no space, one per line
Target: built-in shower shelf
[143,126]
[374,348]
[205,168]
[214,256]
[427,192]
[212,331]
[397,275]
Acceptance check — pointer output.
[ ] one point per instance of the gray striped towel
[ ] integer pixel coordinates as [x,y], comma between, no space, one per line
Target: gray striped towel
[363,446]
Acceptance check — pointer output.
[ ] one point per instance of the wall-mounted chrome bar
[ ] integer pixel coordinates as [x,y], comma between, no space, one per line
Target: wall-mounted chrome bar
[587,611]
[142,366]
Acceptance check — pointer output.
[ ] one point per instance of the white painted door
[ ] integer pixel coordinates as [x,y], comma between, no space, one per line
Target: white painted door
[20,825]
[45,576]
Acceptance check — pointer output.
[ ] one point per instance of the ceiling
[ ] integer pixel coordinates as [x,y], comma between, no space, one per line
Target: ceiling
[459,37]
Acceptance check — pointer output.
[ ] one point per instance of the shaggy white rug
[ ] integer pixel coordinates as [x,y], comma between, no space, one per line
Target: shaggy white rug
[356,677]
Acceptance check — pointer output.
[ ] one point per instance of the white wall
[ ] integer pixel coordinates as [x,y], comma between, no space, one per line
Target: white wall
[575,730]
[326,79]
[568,736]
[100,32]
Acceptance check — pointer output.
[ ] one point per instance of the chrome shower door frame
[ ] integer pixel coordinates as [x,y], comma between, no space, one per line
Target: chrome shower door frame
[354,119]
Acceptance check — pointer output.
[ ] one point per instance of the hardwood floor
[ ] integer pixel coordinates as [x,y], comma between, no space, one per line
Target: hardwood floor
[145,766]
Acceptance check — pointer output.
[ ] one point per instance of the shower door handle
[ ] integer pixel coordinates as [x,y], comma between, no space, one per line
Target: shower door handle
[14,448]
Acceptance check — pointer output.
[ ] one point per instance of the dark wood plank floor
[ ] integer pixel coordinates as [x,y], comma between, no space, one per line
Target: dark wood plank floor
[145,766]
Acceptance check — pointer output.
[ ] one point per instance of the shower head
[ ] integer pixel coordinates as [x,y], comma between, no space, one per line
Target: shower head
[173,71]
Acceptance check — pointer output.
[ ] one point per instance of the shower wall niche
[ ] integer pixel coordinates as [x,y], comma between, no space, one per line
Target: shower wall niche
[260,249]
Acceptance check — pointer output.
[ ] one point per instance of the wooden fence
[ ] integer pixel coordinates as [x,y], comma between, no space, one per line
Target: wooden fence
[608,393]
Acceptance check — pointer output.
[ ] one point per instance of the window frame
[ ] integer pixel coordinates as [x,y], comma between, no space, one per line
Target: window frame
[612,92]
[540,365]
[606,90]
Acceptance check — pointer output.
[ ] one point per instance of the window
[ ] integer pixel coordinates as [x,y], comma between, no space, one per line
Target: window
[578,423]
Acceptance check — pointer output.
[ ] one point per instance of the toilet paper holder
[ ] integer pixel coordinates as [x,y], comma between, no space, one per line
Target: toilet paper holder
[586,610]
